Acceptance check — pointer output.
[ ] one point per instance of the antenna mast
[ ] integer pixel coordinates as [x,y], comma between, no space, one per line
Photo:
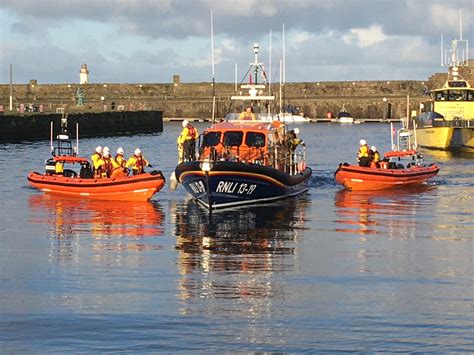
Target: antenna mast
[457,56]
[270,66]
[213,79]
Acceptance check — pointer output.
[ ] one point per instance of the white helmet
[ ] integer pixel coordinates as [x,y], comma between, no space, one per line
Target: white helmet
[363,142]
[106,151]
[98,149]
[296,130]
[138,151]
[120,151]
[373,148]
[185,123]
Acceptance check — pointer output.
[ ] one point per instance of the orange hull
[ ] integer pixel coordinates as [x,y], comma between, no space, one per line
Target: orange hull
[362,178]
[131,188]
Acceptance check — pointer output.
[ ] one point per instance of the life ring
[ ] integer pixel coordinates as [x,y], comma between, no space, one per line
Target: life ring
[301,166]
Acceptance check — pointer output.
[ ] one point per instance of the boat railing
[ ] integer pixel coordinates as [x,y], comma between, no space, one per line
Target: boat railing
[261,116]
[278,156]
[405,140]
[298,161]
[459,122]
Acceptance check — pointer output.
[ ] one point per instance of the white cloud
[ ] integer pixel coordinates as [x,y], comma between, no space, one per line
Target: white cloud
[243,8]
[446,19]
[365,37]
[300,36]
[325,39]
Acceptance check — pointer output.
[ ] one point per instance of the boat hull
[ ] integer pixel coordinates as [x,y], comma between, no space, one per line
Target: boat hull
[434,137]
[345,120]
[463,138]
[445,138]
[231,184]
[362,178]
[131,188]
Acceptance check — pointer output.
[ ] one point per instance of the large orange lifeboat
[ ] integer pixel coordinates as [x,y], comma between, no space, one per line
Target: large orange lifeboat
[244,161]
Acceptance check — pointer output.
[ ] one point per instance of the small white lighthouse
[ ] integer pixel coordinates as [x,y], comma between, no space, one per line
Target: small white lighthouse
[84,74]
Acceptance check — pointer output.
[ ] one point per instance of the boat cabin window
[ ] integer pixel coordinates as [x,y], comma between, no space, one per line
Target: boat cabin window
[255,139]
[441,95]
[452,95]
[457,95]
[233,138]
[470,95]
[211,139]
[457,84]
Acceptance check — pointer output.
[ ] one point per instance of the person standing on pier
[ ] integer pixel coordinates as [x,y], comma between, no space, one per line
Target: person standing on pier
[187,143]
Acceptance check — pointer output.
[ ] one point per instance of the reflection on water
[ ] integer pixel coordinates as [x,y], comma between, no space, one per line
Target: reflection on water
[445,155]
[391,212]
[114,225]
[235,255]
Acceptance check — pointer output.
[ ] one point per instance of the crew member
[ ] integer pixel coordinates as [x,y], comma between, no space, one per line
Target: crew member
[104,164]
[363,153]
[118,165]
[95,158]
[137,162]
[293,141]
[187,143]
[247,114]
[119,159]
[374,157]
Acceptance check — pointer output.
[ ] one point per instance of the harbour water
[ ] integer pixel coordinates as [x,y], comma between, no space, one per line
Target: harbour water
[329,271]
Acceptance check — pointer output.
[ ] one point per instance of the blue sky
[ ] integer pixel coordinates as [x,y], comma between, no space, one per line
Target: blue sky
[150,40]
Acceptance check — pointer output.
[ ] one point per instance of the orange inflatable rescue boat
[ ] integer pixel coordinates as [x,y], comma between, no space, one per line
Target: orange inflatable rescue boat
[61,178]
[399,168]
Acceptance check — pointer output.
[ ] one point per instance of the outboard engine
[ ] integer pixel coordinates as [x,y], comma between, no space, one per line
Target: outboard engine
[86,171]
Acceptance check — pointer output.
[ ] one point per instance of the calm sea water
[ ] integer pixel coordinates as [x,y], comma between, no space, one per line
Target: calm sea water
[329,271]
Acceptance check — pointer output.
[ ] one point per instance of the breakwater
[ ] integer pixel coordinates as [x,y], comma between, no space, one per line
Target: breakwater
[35,126]
[363,99]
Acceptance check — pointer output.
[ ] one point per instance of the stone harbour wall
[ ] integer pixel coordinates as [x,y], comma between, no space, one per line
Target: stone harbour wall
[363,99]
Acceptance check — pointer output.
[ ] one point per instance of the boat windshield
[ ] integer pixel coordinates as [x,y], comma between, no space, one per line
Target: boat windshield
[211,139]
[255,139]
[233,138]
[454,95]
[262,116]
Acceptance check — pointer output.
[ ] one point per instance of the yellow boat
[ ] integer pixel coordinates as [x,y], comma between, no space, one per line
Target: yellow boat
[448,119]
